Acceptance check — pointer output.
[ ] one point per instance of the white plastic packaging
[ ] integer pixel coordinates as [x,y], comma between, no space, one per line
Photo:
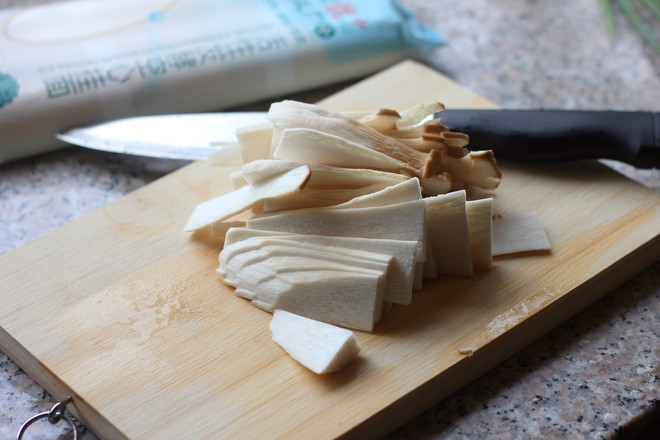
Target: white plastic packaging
[77,62]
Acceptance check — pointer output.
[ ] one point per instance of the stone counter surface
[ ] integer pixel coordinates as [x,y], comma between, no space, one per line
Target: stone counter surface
[595,376]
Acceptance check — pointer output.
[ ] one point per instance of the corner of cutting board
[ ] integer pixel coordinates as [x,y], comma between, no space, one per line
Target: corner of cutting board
[55,387]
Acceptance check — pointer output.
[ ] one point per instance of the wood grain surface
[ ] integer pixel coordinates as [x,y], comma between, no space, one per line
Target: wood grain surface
[123,311]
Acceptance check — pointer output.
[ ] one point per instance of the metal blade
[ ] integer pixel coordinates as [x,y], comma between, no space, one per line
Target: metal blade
[186,136]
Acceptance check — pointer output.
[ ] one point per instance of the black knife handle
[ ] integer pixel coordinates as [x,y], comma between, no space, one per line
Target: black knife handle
[560,135]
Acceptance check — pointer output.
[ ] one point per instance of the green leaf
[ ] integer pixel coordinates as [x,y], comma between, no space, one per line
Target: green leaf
[606,6]
[653,6]
[639,24]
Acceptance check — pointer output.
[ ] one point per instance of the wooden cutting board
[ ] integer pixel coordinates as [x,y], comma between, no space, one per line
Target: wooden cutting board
[122,310]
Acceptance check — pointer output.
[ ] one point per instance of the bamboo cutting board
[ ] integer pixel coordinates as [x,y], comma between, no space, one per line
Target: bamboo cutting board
[122,310]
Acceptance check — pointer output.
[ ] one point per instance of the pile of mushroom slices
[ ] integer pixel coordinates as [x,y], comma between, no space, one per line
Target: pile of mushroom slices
[345,214]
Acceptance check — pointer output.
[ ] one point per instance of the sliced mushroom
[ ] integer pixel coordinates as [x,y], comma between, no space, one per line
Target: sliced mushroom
[446,216]
[521,232]
[322,176]
[232,203]
[407,191]
[255,141]
[348,299]
[477,168]
[321,347]
[311,145]
[402,221]
[293,114]
[479,219]
[235,257]
[319,197]
[400,276]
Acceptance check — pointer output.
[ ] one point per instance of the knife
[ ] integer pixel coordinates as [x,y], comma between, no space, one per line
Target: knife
[521,135]
[561,135]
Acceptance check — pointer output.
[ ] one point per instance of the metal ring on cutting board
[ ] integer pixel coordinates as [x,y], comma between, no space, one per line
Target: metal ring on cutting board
[54,416]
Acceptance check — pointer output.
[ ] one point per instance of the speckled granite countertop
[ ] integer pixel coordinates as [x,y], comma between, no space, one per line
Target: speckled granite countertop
[595,376]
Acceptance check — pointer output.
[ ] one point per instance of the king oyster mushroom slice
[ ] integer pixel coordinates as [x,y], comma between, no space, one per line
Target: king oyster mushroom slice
[418,114]
[254,141]
[401,221]
[314,146]
[446,216]
[372,195]
[430,269]
[275,247]
[400,274]
[384,120]
[322,176]
[277,250]
[452,139]
[421,137]
[257,272]
[237,179]
[318,197]
[477,168]
[335,177]
[321,347]
[433,136]
[259,170]
[406,191]
[522,232]
[293,114]
[410,128]
[229,204]
[479,219]
[234,257]
[348,299]
[390,120]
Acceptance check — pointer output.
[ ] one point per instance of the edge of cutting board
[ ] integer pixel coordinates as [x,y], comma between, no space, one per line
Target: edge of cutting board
[516,339]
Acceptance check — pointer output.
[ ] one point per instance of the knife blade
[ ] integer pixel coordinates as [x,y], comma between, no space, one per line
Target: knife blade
[188,136]
[521,135]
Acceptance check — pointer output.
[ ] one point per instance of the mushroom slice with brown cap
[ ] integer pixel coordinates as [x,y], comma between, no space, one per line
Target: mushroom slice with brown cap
[452,138]
[311,145]
[417,114]
[466,168]
[408,124]
[407,128]
[293,114]
[384,120]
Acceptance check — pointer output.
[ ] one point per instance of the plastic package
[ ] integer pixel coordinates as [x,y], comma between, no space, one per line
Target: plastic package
[77,62]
